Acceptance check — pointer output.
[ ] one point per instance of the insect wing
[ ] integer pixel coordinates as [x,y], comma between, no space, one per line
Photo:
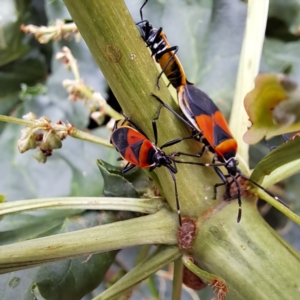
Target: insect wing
[133,146]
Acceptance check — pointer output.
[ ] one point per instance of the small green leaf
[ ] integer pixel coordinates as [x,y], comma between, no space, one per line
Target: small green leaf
[277,158]
[115,185]
[139,179]
[27,92]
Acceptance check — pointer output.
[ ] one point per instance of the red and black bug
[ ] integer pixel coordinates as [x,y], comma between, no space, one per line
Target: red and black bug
[163,53]
[208,123]
[135,147]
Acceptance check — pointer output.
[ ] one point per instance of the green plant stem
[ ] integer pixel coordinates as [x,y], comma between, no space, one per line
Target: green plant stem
[248,69]
[111,112]
[146,206]
[162,256]
[72,62]
[287,212]
[74,132]
[177,280]
[85,136]
[205,276]
[88,93]
[142,254]
[18,121]
[159,228]
[250,250]
[152,287]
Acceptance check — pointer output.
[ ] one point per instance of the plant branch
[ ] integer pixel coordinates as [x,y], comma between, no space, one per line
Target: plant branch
[85,136]
[162,256]
[159,228]
[280,207]
[72,131]
[146,206]
[18,121]
[55,32]
[208,278]
[177,280]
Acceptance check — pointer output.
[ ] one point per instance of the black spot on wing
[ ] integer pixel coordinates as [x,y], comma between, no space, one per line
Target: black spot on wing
[119,139]
[199,102]
[220,135]
[136,149]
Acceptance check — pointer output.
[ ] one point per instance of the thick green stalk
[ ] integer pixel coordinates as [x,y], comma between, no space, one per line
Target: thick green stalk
[254,261]
[232,251]
[159,228]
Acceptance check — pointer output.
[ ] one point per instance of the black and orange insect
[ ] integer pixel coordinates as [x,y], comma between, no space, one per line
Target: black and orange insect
[163,53]
[204,118]
[135,147]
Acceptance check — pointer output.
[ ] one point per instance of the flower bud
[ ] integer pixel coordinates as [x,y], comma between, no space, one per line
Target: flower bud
[39,156]
[53,142]
[29,117]
[26,141]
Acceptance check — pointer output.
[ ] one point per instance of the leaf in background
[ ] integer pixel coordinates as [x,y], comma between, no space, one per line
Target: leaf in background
[22,59]
[68,279]
[281,57]
[272,107]
[29,70]
[13,43]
